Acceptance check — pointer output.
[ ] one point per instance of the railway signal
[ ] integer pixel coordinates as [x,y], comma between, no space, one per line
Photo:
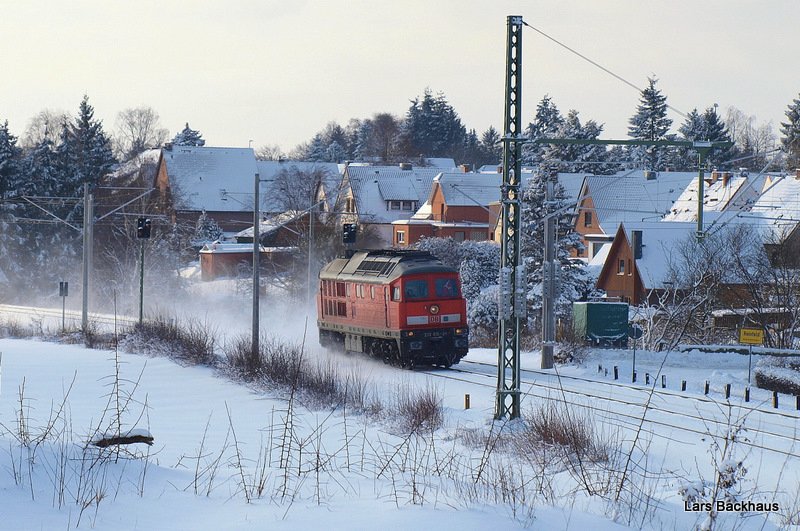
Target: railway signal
[142,233]
[143,228]
[349,232]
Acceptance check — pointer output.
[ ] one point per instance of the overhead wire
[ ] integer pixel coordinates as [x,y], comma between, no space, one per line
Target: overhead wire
[598,65]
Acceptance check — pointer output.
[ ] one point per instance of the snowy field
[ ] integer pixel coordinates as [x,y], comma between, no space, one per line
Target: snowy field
[230,456]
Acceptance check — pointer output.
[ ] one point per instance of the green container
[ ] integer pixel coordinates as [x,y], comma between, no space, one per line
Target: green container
[601,323]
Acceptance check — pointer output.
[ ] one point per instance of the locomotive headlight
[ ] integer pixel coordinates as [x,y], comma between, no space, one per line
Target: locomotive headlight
[434,309]
[459,331]
[410,333]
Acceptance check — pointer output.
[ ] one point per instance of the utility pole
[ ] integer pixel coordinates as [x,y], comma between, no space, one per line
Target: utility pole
[549,271]
[88,226]
[256,265]
[511,305]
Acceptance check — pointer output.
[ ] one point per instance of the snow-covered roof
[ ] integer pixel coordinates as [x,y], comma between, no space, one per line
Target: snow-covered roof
[572,184]
[222,179]
[443,163]
[779,208]
[469,189]
[659,240]
[728,191]
[211,178]
[271,224]
[631,197]
[370,183]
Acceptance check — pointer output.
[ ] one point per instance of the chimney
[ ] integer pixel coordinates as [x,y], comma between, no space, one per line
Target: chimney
[405,166]
[797,174]
[636,236]
[726,178]
[650,175]
[714,177]
[743,172]
[500,169]
[465,168]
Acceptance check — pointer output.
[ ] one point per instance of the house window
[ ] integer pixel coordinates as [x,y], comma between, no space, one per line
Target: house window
[349,205]
[401,237]
[579,251]
[477,235]
[621,267]
[372,292]
[459,236]
[408,205]
[587,219]
[340,290]
[394,205]
[630,269]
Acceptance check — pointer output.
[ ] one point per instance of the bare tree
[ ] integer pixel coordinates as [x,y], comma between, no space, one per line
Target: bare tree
[270,152]
[752,140]
[45,123]
[681,310]
[767,268]
[138,129]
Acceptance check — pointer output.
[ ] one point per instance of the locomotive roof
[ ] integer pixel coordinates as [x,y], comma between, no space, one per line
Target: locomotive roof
[383,265]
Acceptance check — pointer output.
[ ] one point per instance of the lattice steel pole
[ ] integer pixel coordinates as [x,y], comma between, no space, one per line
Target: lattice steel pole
[508,365]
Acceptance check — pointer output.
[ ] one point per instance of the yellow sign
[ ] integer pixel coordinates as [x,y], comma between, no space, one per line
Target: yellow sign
[751,336]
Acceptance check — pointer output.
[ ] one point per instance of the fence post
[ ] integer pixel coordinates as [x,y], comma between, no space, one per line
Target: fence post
[466,401]
[775,399]
[683,385]
[663,381]
[727,390]
[647,378]
[747,394]
[705,391]
[616,372]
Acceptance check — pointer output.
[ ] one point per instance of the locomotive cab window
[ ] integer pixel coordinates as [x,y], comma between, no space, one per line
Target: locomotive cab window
[446,287]
[396,293]
[416,289]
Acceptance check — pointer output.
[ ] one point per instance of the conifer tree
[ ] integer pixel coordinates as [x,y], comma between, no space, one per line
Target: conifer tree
[84,151]
[791,135]
[432,127]
[575,283]
[188,137]
[9,161]
[650,123]
[547,120]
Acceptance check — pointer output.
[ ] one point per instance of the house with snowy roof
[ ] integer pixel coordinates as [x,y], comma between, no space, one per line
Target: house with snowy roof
[457,207]
[778,212]
[605,201]
[220,181]
[375,196]
[636,263]
[722,191]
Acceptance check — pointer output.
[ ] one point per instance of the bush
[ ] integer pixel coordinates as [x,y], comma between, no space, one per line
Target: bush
[553,424]
[419,409]
[781,374]
[192,343]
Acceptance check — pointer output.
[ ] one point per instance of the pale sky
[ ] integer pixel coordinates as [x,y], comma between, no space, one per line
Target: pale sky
[276,71]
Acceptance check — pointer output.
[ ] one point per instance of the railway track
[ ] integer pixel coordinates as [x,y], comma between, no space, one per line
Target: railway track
[626,405]
[71,316]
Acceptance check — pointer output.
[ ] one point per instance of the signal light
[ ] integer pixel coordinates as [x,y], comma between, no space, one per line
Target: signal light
[349,233]
[143,228]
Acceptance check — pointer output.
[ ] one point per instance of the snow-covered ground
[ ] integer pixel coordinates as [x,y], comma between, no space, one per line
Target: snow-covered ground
[224,458]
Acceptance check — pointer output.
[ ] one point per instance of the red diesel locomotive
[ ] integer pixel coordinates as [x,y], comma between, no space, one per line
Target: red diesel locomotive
[404,307]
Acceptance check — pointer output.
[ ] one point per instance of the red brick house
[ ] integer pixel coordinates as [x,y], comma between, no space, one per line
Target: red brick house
[458,207]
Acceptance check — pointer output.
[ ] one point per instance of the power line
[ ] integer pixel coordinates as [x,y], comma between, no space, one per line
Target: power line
[598,65]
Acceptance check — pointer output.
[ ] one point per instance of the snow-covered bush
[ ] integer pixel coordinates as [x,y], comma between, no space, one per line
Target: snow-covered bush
[779,373]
